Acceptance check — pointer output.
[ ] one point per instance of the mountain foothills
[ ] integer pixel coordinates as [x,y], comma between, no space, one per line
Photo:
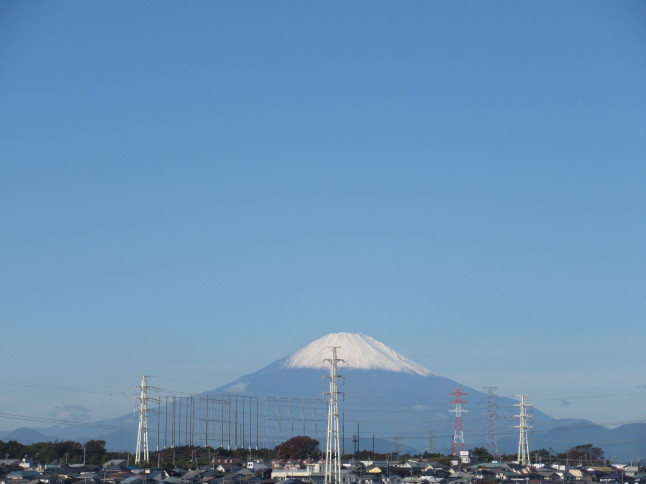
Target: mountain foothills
[388,403]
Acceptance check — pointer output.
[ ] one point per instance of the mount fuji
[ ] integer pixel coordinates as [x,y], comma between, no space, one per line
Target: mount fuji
[393,403]
[388,403]
[386,395]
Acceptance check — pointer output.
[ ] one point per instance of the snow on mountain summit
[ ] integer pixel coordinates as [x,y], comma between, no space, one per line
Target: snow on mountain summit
[358,351]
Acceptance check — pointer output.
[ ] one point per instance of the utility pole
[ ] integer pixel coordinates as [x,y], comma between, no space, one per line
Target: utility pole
[458,434]
[332,445]
[430,442]
[396,446]
[523,444]
[357,441]
[491,443]
[158,427]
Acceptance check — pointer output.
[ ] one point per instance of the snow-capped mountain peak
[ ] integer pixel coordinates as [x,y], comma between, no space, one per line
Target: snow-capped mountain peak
[357,351]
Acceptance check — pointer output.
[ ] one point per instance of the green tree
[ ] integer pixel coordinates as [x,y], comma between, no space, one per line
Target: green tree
[71,452]
[12,449]
[541,455]
[437,457]
[300,447]
[42,452]
[584,454]
[482,454]
[94,451]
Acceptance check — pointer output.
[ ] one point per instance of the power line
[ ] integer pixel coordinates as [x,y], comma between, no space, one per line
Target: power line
[44,386]
[348,404]
[63,422]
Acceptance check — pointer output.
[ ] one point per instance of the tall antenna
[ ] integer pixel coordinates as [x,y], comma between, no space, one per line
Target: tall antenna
[491,443]
[333,446]
[458,434]
[142,433]
[523,444]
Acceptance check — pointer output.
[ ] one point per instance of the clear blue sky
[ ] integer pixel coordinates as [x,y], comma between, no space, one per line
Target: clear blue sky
[192,190]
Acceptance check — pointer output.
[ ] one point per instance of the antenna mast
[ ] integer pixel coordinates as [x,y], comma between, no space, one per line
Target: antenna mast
[458,434]
[333,446]
[523,444]
[142,433]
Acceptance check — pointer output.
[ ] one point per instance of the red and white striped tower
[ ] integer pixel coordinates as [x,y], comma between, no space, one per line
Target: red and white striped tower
[458,434]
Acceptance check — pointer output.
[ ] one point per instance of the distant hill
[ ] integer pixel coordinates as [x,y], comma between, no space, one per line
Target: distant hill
[627,441]
[24,435]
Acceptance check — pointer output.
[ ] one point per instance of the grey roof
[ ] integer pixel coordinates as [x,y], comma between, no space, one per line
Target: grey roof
[156,476]
[190,475]
[174,480]
[24,475]
[133,480]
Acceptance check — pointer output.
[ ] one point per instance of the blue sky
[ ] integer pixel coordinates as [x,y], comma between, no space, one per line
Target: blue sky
[194,190]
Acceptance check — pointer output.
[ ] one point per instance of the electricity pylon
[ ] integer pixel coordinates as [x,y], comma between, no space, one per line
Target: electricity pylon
[458,433]
[523,444]
[491,442]
[333,445]
[142,433]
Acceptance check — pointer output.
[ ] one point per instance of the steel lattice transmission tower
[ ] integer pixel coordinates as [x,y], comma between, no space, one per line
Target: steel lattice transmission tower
[523,444]
[458,433]
[142,433]
[333,445]
[491,442]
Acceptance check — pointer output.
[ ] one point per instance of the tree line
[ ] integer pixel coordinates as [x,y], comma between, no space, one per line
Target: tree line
[93,452]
